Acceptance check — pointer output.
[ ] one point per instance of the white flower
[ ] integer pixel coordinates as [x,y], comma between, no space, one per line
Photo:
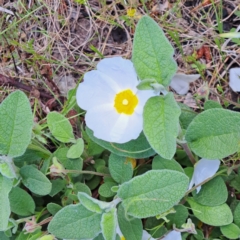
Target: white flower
[234,79]
[203,170]
[173,235]
[180,82]
[113,103]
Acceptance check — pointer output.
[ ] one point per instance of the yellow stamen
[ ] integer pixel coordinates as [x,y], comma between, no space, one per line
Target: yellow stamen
[125,102]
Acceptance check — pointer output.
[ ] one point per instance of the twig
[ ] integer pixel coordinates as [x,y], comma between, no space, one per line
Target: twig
[5,81]
[188,152]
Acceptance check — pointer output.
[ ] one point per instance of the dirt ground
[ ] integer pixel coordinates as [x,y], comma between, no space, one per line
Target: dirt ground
[46,46]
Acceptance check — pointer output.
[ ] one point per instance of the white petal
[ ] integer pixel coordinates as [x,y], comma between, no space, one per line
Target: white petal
[120,71]
[143,96]
[173,235]
[180,82]
[128,127]
[118,231]
[146,236]
[111,126]
[203,170]
[96,89]
[234,79]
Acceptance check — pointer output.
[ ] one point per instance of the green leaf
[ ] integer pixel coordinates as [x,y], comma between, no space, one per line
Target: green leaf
[60,127]
[179,217]
[211,104]
[231,231]
[81,187]
[76,150]
[53,208]
[213,216]
[131,228]
[152,53]
[153,192]
[35,180]
[75,222]
[213,193]
[99,237]
[105,189]
[138,148]
[120,168]
[161,124]
[5,188]
[21,202]
[16,123]
[214,134]
[159,163]
[57,186]
[236,215]
[92,204]
[187,115]
[69,164]
[109,224]
[3,236]
[94,182]
[7,168]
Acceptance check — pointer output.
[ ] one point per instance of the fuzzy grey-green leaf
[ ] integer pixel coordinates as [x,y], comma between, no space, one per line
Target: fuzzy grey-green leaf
[92,204]
[213,193]
[213,216]
[120,168]
[153,53]
[138,148]
[131,228]
[230,231]
[60,127]
[214,134]
[109,224]
[75,222]
[21,202]
[153,192]
[35,180]
[5,188]
[76,150]
[16,123]
[161,124]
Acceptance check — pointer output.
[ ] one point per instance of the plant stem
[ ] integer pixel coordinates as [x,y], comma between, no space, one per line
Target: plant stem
[189,153]
[87,172]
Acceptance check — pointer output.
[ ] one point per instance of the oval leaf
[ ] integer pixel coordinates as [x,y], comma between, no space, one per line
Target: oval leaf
[92,204]
[213,193]
[153,53]
[214,216]
[16,123]
[214,134]
[35,180]
[230,231]
[21,202]
[75,222]
[161,124]
[153,192]
[159,163]
[120,168]
[138,148]
[76,150]
[131,229]
[60,127]
[109,224]
[5,188]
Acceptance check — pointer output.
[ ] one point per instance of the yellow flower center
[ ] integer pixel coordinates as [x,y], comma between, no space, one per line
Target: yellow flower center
[123,238]
[131,12]
[125,102]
